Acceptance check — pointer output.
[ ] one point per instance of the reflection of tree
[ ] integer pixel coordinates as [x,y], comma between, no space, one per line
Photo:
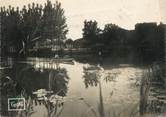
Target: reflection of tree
[31,79]
[12,89]
[24,76]
[54,106]
[58,80]
[90,78]
[22,80]
[93,75]
[6,89]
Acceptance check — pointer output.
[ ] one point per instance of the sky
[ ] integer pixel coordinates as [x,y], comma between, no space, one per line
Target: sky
[162,4]
[125,13]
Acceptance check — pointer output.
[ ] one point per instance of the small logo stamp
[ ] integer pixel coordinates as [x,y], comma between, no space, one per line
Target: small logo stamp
[16,104]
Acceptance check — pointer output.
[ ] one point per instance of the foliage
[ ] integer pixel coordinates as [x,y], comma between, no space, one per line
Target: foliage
[149,41]
[145,44]
[54,22]
[91,32]
[22,28]
[69,41]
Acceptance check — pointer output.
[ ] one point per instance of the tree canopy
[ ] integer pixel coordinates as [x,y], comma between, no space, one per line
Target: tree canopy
[21,28]
[145,43]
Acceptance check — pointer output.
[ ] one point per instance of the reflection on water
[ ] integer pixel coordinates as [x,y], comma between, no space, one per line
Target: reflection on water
[157,91]
[30,79]
[75,90]
[22,80]
[91,76]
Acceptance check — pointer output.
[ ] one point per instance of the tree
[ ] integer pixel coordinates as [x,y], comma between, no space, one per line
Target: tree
[22,28]
[114,39]
[54,22]
[30,25]
[69,43]
[110,34]
[146,41]
[91,32]
[11,33]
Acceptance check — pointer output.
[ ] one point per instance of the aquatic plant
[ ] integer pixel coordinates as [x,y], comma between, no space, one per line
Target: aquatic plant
[144,91]
[152,92]
[92,77]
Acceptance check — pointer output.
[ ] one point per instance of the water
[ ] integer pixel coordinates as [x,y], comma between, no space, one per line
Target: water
[76,89]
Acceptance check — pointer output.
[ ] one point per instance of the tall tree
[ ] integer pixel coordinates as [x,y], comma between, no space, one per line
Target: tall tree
[22,28]
[91,32]
[54,22]
[30,25]
[12,33]
[110,34]
[114,39]
[146,41]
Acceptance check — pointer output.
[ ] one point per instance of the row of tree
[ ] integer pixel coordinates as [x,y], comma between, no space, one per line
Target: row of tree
[21,28]
[145,43]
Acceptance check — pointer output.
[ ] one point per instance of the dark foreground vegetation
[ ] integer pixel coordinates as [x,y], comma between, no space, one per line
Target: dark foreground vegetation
[152,93]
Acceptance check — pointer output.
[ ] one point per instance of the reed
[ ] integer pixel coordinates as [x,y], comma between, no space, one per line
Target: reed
[144,91]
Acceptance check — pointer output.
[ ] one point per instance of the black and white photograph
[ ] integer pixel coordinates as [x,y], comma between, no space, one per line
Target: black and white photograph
[82,58]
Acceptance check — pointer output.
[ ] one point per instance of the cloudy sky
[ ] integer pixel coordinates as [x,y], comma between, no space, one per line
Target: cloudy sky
[125,13]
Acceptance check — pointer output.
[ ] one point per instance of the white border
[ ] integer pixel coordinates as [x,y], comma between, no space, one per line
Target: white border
[16,99]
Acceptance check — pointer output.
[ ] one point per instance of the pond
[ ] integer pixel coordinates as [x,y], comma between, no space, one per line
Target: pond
[72,89]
